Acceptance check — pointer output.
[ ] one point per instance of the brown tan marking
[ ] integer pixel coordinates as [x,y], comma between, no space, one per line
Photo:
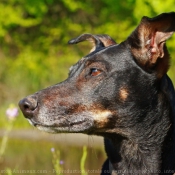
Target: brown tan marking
[101,117]
[123,94]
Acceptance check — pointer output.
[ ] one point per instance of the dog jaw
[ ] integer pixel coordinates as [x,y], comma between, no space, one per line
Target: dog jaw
[82,123]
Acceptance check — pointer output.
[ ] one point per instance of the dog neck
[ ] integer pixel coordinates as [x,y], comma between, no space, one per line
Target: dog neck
[142,153]
[137,158]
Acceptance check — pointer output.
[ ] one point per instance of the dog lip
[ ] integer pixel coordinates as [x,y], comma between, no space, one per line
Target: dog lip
[77,122]
[74,126]
[35,123]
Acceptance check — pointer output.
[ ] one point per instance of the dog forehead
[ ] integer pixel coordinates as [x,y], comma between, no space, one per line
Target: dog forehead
[110,54]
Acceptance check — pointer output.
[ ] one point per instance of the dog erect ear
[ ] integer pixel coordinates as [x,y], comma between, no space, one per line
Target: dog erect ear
[147,42]
[98,41]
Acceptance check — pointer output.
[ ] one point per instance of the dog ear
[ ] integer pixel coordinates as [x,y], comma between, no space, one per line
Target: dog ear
[147,42]
[98,41]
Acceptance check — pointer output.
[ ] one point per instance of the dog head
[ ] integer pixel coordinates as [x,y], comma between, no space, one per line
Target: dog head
[112,88]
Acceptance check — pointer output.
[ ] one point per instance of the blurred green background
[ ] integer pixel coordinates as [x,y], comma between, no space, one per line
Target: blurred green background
[34,33]
[34,52]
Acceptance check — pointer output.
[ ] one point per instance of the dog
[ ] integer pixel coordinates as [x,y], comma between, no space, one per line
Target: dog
[121,92]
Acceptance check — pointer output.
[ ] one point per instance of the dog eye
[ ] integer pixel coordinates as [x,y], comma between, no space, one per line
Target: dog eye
[95,72]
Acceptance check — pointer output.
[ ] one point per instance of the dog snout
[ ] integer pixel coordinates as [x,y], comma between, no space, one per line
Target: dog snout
[28,106]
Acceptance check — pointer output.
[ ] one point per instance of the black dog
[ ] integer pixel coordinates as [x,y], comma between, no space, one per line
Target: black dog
[121,92]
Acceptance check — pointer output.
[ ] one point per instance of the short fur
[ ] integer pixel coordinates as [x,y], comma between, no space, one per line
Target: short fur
[121,92]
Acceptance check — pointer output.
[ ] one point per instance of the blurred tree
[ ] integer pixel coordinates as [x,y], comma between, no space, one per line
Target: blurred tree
[34,34]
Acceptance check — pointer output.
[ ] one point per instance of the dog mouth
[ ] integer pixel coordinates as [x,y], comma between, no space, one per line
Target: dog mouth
[74,126]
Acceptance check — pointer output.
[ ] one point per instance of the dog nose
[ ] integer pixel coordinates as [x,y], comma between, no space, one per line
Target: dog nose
[28,105]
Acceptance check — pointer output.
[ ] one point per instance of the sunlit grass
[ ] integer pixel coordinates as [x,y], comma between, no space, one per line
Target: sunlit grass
[11,114]
[83,160]
[58,162]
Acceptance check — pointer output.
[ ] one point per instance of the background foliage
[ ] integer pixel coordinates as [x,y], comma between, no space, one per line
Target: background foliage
[34,33]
